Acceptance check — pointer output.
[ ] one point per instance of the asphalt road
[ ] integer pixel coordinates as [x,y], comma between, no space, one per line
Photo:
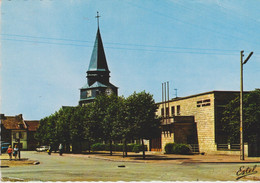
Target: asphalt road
[83,168]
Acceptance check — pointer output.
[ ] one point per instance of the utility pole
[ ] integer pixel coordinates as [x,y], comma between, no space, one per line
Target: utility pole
[242,150]
[19,144]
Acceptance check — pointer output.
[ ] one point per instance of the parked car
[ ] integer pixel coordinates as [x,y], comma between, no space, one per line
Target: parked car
[4,146]
[42,148]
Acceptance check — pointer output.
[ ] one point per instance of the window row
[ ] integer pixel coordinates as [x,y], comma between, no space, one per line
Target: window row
[174,112]
[203,103]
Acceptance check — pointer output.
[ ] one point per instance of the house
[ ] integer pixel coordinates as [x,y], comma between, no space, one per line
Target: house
[14,128]
[195,120]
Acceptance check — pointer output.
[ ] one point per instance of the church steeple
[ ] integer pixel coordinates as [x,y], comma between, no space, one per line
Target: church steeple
[98,59]
[97,73]
[98,69]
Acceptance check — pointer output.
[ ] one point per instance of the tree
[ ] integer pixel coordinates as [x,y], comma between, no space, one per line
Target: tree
[89,129]
[63,122]
[47,131]
[105,114]
[141,110]
[122,127]
[251,118]
[108,118]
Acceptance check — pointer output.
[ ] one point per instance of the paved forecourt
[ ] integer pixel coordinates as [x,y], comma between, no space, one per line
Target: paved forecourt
[70,167]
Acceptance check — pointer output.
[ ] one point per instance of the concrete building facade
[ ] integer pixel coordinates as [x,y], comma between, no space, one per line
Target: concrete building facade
[195,120]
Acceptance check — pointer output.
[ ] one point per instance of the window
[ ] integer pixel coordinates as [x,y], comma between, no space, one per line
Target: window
[178,110]
[162,111]
[20,134]
[167,111]
[203,103]
[173,111]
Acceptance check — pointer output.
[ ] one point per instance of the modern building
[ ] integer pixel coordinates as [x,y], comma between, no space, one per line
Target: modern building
[98,75]
[196,120]
[15,128]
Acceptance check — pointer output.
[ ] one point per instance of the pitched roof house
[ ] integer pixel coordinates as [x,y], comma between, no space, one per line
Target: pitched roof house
[15,127]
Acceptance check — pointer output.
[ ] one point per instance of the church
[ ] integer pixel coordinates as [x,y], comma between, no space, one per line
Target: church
[98,74]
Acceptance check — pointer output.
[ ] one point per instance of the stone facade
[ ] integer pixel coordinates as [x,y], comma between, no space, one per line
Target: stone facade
[167,137]
[205,108]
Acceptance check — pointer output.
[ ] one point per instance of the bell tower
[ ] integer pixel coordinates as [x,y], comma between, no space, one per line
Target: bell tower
[98,73]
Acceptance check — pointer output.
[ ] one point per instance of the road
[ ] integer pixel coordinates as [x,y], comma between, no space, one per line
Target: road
[83,168]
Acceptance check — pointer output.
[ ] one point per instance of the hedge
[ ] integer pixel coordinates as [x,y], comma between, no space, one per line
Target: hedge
[117,147]
[169,148]
[182,149]
[173,148]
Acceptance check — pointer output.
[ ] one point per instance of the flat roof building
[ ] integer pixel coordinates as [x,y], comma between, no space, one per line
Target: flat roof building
[196,120]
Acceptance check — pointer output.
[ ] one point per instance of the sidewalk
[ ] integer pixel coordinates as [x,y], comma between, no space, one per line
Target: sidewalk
[164,160]
[158,157]
[5,162]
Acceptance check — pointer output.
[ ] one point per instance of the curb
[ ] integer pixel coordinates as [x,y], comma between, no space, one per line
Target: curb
[231,162]
[22,159]
[4,167]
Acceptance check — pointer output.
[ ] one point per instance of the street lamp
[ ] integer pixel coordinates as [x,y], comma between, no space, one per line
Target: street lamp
[242,150]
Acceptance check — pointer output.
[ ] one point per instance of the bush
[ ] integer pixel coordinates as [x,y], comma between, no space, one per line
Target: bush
[136,148]
[117,147]
[97,147]
[173,148]
[130,147]
[107,147]
[182,149]
[169,147]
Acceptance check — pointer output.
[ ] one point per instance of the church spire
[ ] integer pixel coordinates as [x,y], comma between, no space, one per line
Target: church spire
[98,60]
[98,69]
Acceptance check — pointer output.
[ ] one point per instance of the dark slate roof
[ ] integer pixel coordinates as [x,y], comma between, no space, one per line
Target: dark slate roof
[97,84]
[98,60]
[94,85]
[112,86]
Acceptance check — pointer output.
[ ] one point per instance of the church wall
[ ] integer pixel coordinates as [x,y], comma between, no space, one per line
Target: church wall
[202,108]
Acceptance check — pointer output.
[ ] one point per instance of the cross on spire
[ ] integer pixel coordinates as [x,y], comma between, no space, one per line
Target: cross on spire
[97,18]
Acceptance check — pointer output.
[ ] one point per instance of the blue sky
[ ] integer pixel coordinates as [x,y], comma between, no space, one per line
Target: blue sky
[46,47]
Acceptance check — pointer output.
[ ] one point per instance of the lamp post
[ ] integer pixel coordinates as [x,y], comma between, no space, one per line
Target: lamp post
[18,136]
[19,144]
[242,150]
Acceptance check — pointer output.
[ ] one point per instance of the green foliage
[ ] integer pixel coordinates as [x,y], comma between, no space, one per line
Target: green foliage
[98,147]
[140,113]
[173,148]
[140,109]
[136,148]
[117,147]
[169,148]
[182,149]
[251,118]
[108,118]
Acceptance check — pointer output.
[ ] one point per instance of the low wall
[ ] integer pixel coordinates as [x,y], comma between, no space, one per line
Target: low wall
[167,137]
[232,152]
